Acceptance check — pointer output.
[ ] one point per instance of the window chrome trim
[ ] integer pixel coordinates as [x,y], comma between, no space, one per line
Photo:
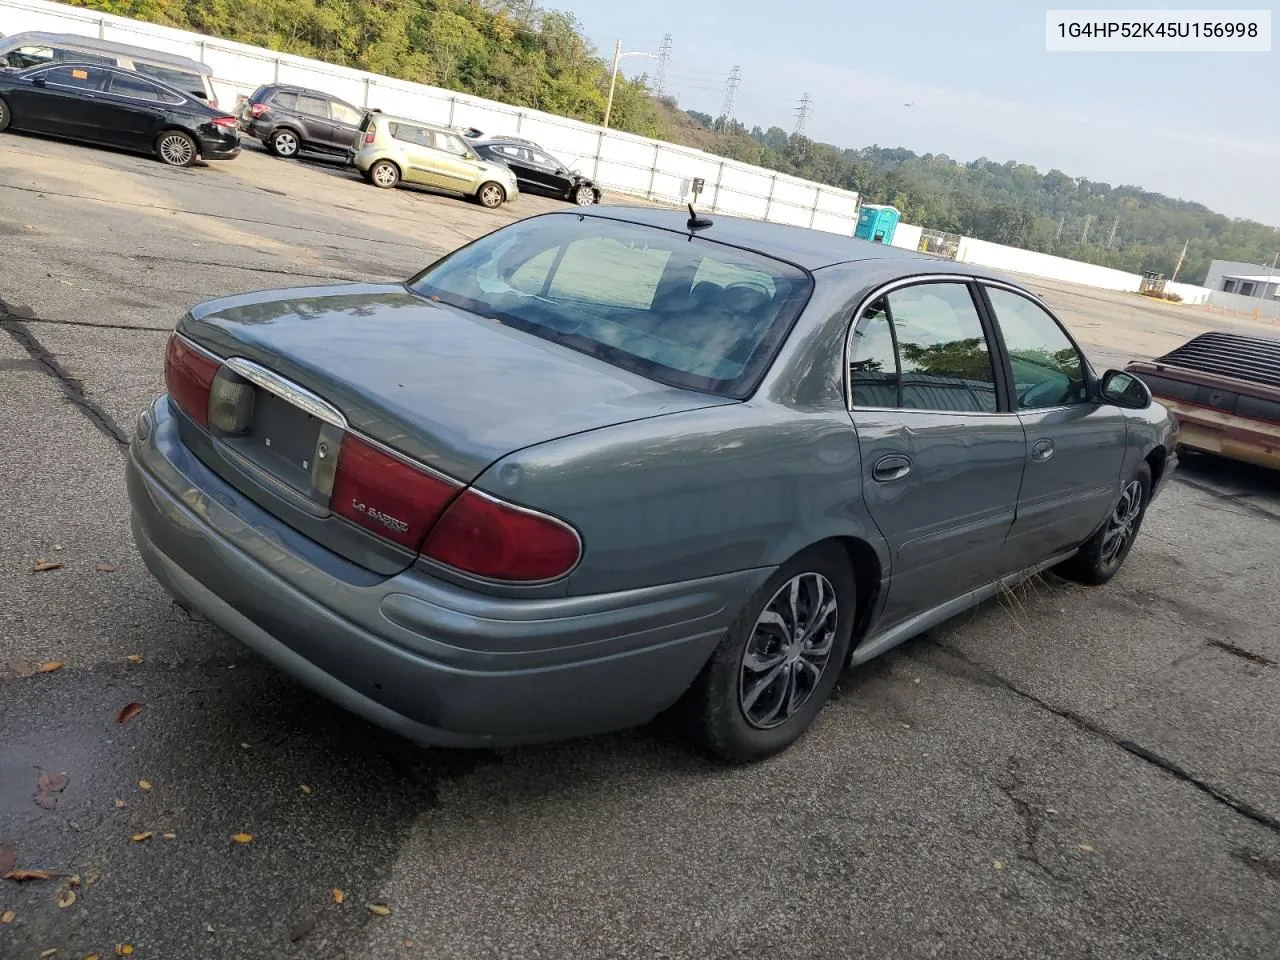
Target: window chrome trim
[272,382]
[961,279]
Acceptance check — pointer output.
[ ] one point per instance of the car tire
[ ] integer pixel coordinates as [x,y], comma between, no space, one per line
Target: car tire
[5,115]
[491,195]
[284,143]
[1104,553]
[176,149]
[733,709]
[582,195]
[384,174]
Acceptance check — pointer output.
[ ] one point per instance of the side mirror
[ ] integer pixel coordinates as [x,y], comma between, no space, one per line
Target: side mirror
[1125,390]
[38,81]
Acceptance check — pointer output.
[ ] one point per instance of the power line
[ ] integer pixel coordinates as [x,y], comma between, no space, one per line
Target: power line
[664,57]
[731,91]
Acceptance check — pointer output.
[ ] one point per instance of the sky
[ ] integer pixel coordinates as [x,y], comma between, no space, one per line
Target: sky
[1199,126]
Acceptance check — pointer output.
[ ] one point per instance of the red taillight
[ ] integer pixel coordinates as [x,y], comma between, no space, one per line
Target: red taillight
[188,374]
[498,541]
[227,123]
[386,495]
[369,134]
[258,109]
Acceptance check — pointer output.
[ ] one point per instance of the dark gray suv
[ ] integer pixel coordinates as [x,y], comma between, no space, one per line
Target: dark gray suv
[289,120]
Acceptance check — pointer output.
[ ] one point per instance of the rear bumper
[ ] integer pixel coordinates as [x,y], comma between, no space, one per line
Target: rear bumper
[433,662]
[1225,434]
[214,150]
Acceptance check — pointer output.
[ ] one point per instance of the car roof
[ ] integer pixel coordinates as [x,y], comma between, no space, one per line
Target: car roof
[803,246]
[396,118]
[75,41]
[295,88]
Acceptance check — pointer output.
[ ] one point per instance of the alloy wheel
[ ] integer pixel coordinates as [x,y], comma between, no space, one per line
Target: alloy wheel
[584,197]
[491,195]
[286,144]
[176,150]
[1123,523]
[384,175]
[788,650]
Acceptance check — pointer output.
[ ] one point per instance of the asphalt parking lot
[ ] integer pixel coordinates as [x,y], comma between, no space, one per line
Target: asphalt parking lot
[1063,773]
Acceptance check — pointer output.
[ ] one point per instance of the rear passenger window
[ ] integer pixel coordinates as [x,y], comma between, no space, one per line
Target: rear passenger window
[135,87]
[313,107]
[410,134]
[285,101]
[923,348]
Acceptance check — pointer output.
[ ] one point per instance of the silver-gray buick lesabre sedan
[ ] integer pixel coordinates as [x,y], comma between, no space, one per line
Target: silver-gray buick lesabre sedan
[602,463]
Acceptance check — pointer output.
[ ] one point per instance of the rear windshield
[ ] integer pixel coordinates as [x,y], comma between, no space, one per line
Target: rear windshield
[686,312]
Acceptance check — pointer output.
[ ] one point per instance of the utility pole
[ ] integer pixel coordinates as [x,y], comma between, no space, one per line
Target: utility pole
[1271,273]
[613,79]
[1113,232]
[664,57]
[1181,257]
[730,94]
[613,74]
[1084,237]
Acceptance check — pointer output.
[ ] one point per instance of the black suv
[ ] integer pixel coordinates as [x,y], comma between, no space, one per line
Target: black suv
[291,119]
[536,170]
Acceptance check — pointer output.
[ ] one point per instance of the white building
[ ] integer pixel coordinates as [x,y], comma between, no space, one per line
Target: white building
[1244,279]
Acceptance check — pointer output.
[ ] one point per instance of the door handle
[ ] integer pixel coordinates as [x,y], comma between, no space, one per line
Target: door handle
[890,468]
[1042,450]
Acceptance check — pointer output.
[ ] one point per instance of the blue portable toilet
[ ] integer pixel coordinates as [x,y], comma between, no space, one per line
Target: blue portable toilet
[877,222]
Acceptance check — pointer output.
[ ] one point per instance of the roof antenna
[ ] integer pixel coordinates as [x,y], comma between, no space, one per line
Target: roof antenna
[696,222]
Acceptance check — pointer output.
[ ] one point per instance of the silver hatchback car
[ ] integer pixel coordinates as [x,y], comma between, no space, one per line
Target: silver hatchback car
[603,463]
[389,150]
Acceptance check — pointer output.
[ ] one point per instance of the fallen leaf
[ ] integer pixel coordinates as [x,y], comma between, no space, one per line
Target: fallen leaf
[67,898]
[74,881]
[51,666]
[141,837]
[242,838]
[380,909]
[306,789]
[7,916]
[91,956]
[124,950]
[8,857]
[1050,811]
[46,801]
[22,876]
[42,565]
[57,547]
[144,784]
[49,953]
[1086,848]
[128,712]
[90,879]
[997,864]
[19,668]
[134,658]
[408,941]
[338,895]
[169,836]
[119,804]
[302,928]
[106,567]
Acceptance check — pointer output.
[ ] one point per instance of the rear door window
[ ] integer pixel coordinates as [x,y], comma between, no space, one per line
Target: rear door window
[285,100]
[124,85]
[313,107]
[409,133]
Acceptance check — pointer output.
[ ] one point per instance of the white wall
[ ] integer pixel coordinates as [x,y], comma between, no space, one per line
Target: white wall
[907,236]
[619,162]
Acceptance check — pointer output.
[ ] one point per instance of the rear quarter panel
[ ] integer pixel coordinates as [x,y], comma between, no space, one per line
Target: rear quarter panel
[695,494]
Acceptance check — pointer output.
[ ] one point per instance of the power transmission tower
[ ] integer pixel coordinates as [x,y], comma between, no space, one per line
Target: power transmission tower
[1112,238]
[664,57]
[1061,224]
[730,93]
[1182,256]
[802,114]
[1084,237]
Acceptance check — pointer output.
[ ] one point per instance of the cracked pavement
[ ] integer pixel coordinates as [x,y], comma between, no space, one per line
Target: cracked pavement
[1064,772]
